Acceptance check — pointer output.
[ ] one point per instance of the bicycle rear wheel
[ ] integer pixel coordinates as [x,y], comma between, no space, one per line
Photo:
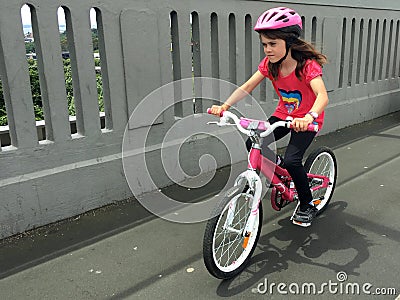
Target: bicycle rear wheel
[322,161]
[226,250]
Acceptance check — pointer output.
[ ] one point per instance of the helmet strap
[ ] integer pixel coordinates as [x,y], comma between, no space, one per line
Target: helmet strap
[288,42]
[283,58]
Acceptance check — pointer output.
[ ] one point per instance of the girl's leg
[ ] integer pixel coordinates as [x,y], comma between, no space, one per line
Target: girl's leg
[298,144]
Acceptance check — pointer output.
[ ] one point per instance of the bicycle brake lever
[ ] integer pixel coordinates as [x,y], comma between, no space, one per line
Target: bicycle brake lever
[219,123]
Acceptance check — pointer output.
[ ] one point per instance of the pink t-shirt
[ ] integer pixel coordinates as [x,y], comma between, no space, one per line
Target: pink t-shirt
[296,97]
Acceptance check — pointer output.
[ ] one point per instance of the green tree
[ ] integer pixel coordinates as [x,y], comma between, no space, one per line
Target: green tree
[36,92]
[95,39]
[64,41]
[30,47]
[3,113]
[35,89]
[99,83]
[69,89]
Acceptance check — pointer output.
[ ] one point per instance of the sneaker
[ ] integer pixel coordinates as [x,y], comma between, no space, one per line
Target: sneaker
[303,217]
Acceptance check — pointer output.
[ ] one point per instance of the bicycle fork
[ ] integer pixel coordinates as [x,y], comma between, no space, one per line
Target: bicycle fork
[254,182]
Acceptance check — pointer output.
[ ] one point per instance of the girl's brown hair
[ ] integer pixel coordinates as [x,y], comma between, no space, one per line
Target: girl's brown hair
[301,51]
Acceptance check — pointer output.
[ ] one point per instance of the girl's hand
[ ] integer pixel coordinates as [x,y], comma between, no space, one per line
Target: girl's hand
[218,109]
[301,124]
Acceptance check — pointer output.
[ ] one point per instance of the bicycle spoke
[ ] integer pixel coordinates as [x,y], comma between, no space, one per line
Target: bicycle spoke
[229,262]
[241,221]
[223,252]
[227,246]
[323,164]
[228,243]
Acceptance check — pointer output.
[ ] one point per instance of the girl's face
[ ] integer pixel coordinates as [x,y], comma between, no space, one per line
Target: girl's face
[274,49]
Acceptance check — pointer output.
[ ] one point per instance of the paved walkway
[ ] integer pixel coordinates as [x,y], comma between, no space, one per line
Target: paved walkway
[122,252]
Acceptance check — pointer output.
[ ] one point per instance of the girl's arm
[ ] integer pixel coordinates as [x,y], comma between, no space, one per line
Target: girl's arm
[318,86]
[239,93]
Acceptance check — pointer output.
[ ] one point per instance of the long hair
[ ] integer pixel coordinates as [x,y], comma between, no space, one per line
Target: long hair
[301,51]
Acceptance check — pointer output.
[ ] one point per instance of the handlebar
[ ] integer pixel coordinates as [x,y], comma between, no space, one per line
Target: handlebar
[264,126]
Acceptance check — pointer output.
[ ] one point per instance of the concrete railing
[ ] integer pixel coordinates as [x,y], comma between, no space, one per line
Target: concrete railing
[144,45]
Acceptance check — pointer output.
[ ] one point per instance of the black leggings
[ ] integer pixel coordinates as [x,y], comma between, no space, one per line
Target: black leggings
[298,144]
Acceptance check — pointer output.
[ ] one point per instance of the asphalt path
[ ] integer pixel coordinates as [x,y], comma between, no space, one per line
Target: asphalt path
[351,251]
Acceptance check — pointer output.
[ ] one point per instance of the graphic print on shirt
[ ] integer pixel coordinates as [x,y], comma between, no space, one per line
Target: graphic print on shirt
[291,99]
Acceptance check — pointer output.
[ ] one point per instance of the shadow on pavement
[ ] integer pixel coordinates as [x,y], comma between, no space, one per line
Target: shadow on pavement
[304,248]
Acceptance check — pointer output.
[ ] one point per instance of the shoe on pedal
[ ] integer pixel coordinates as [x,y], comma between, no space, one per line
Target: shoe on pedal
[304,216]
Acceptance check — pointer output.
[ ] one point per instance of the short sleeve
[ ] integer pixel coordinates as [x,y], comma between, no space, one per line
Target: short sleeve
[312,70]
[263,67]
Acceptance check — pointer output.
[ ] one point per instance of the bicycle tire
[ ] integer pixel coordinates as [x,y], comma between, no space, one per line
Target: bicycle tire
[213,249]
[322,161]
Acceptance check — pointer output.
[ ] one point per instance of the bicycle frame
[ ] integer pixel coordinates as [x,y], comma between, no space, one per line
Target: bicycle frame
[274,173]
[279,178]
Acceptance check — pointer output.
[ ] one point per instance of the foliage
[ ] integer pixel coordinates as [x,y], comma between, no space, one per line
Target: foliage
[95,39]
[3,114]
[64,41]
[35,85]
[36,92]
[99,84]
[69,90]
[35,89]
[30,47]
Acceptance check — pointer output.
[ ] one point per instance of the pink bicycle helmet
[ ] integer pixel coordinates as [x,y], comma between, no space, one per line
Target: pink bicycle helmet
[281,18]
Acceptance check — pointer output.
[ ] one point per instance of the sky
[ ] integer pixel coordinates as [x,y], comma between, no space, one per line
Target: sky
[26,16]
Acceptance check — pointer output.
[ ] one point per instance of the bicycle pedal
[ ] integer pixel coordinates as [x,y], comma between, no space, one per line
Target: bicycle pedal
[302,224]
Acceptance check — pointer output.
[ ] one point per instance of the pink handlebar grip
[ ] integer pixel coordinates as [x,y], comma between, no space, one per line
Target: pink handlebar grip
[311,127]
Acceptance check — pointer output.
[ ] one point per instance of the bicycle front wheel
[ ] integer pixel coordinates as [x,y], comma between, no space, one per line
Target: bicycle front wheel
[226,249]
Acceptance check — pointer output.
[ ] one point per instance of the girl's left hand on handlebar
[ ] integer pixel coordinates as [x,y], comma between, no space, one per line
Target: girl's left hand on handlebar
[301,124]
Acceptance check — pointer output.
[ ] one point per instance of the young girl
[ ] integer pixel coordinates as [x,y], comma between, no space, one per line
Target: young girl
[294,67]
